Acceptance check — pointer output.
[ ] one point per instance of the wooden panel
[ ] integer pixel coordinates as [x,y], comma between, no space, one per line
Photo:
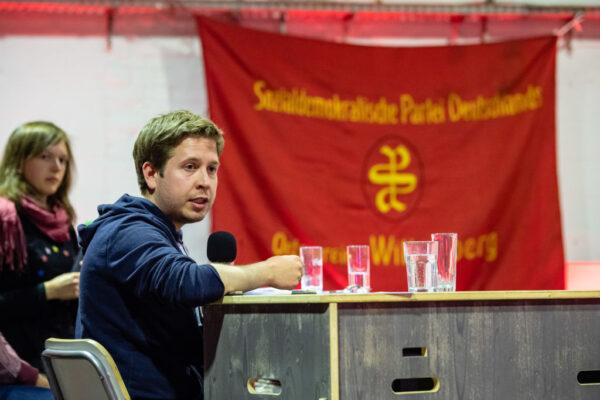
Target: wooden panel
[287,343]
[478,350]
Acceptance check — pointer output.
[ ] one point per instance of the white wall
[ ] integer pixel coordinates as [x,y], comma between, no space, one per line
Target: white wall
[578,124]
[102,98]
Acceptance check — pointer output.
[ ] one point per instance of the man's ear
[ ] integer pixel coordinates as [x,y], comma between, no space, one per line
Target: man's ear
[150,174]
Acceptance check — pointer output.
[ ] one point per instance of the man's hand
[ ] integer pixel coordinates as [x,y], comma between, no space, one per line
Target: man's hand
[285,271]
[63,287]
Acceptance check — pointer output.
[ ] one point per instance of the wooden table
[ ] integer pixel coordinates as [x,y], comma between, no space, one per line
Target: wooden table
[462,345]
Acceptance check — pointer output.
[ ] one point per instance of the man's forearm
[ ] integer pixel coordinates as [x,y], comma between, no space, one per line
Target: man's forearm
[244,278]
[282,272]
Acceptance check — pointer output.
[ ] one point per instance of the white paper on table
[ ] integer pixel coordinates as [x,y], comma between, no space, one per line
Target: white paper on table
[267,291]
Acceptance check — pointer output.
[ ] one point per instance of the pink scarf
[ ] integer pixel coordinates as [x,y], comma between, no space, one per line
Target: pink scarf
[13,248]
[13,251]
[54,224]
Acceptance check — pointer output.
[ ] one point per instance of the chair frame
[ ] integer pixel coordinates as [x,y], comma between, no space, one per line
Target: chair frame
[109,382]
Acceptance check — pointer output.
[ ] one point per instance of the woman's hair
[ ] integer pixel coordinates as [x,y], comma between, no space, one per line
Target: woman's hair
[27,141]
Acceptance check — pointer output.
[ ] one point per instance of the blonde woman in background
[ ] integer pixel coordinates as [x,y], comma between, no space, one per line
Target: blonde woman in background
[38,245]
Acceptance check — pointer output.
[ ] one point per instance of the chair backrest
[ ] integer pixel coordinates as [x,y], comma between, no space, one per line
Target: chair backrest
[82,369]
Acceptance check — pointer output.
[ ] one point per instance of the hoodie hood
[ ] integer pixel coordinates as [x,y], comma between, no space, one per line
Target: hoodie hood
[125,209]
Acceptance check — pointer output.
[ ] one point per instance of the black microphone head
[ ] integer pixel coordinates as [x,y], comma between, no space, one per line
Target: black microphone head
[221,247]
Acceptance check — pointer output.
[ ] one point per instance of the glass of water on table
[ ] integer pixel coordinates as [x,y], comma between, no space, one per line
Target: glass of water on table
[312,259]
[421,265]
[359,268]
[446,261]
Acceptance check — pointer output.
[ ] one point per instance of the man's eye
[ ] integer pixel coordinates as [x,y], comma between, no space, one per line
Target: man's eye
[212,169]
[189,167]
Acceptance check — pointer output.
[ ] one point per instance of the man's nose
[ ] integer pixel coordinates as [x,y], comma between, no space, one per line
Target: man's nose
[202,179]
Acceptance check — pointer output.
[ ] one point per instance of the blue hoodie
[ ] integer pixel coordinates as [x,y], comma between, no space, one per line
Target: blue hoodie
[138,294]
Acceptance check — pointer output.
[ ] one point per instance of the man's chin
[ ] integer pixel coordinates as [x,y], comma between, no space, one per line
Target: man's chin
[195,217]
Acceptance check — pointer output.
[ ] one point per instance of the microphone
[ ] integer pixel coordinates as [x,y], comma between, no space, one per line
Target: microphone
[221,247]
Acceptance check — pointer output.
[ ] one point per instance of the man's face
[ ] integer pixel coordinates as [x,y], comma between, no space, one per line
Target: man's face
[186,189]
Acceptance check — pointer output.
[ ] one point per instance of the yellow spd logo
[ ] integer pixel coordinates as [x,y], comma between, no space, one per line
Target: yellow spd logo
[391,177]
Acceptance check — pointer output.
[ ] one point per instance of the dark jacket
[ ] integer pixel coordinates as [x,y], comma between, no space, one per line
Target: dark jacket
[138,294]
[27,318]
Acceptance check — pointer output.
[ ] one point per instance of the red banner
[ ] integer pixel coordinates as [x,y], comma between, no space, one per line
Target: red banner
[333,144]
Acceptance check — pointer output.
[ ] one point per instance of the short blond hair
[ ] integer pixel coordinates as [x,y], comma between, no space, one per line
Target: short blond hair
[162,134]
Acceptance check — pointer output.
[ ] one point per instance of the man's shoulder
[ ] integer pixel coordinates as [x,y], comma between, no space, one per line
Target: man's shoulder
[133,228]
[124,243]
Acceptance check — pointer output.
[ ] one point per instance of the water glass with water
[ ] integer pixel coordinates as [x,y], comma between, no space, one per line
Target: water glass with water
[312,258]
[446,261]
[421,269]
[359,268]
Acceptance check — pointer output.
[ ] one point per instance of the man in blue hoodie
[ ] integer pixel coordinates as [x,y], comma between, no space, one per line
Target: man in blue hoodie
[138,287]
